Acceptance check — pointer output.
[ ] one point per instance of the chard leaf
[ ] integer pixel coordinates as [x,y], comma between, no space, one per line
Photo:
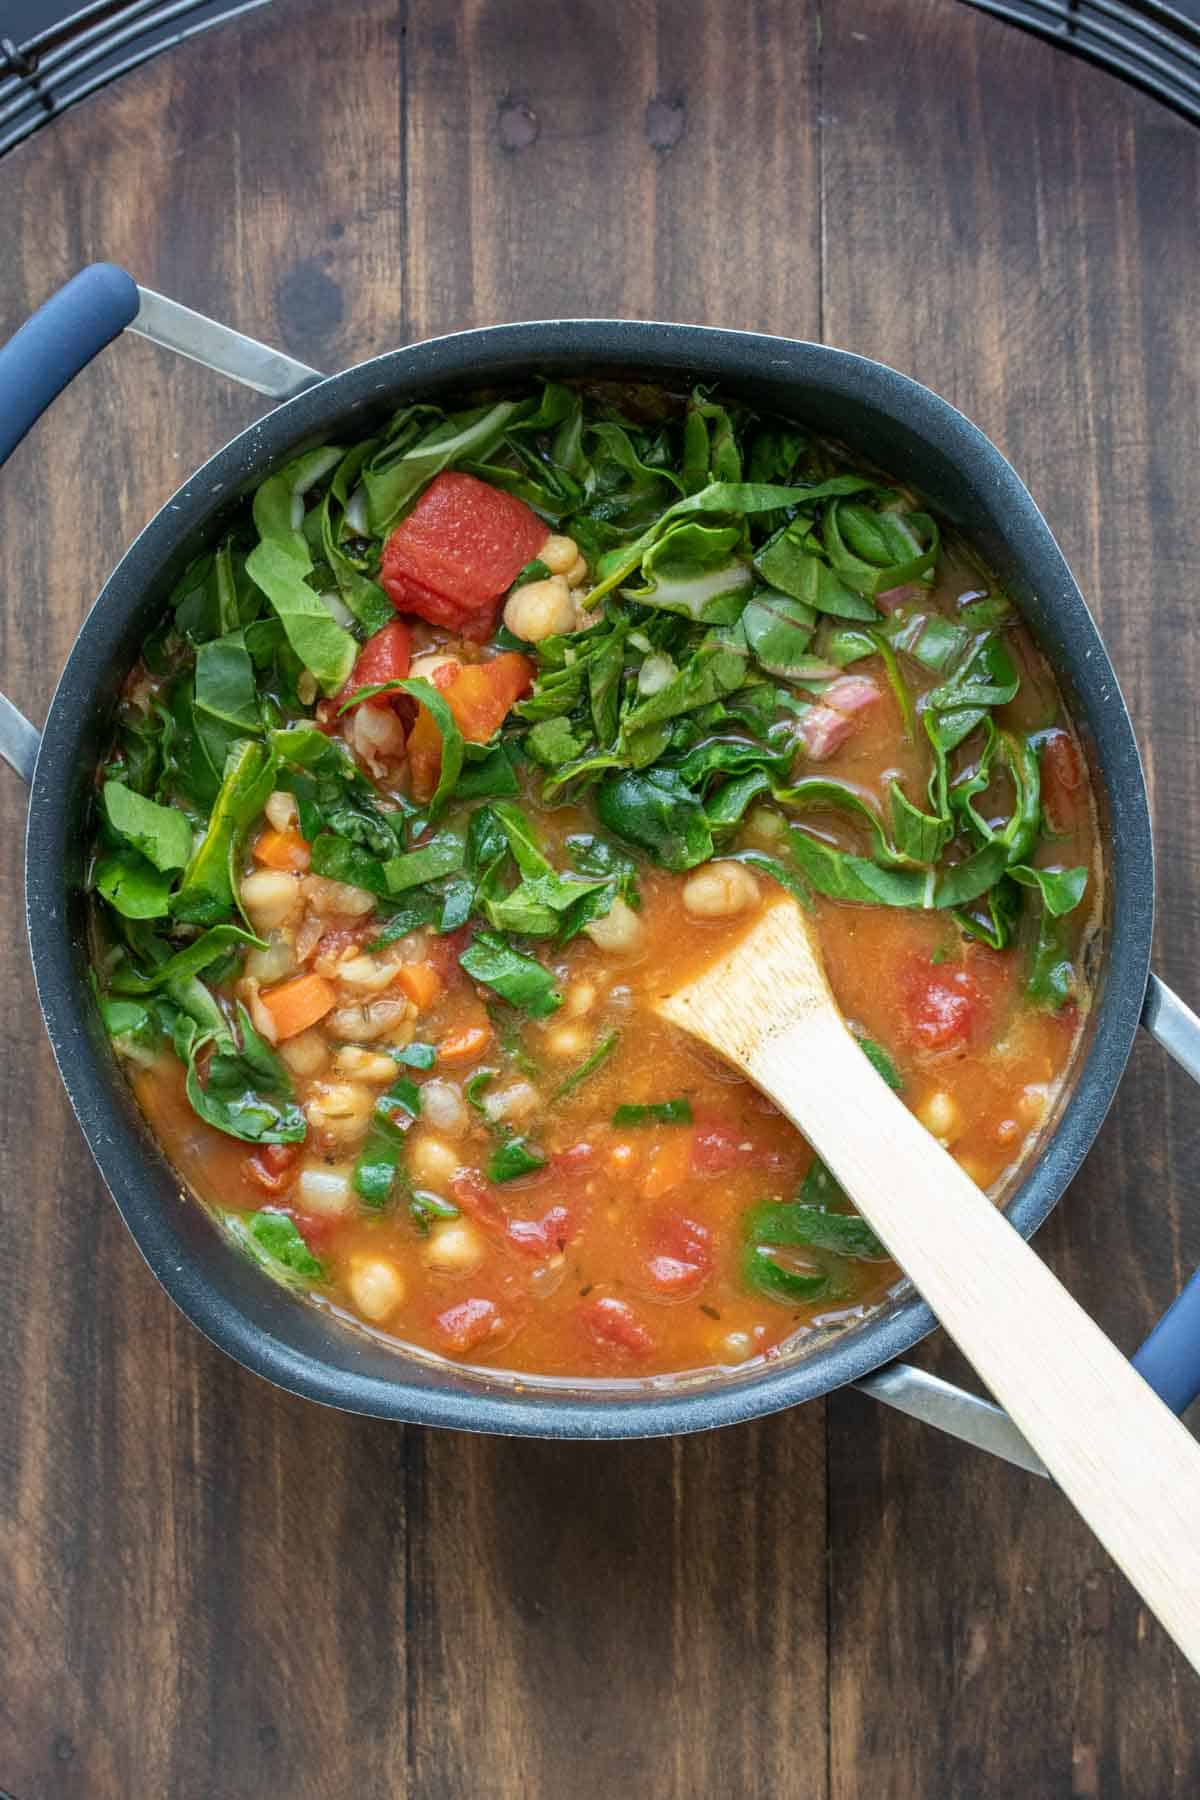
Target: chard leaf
[442,855]
[715,669]
[326,650]
[273,1240]
[786,562]
[132,885]
[162,834]
[396,474]
[691,571]
[225,687]
[208,892]
[779,631]
[877,551]
[518,979]
[377,1163]
[920,837]
[656,811]
[1061,890]
[512,1159]
[247,1093]
[198,955]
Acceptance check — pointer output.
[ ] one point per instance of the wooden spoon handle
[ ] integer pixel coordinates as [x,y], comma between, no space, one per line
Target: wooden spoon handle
[1119,1454]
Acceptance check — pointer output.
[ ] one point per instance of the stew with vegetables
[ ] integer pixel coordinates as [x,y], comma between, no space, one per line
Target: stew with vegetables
[468,740]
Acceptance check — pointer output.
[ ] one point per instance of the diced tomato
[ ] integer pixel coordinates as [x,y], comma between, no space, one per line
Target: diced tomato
[680,1252]
[1062,779]
[458,551]
[444,952]
[273,1166]
[466,1325]
[472,1193]
[946,1007]
[542,1237]
[613,1325]
[385,657]
[317,1230]
[574,1161]
[480,697]
[716,1149]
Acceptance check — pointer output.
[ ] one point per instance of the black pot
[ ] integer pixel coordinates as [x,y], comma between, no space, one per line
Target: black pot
[904,427]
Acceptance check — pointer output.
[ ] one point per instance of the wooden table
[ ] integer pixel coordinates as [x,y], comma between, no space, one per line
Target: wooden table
[212,1591]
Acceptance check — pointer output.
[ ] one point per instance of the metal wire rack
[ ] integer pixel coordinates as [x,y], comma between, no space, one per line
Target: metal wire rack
[1147,42]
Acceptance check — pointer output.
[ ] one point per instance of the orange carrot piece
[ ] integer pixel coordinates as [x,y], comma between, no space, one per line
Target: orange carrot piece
[465,1044]
[670,1164]
[281,849]
[420,982]
[296,1004]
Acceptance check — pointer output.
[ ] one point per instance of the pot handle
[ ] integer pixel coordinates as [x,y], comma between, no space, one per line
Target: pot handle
[1169,1359]
[63,336]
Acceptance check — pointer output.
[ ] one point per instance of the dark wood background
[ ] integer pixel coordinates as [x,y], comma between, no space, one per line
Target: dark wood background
[212,1591]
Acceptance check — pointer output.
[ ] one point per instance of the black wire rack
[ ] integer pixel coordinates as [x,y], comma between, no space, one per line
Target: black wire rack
[1153,45]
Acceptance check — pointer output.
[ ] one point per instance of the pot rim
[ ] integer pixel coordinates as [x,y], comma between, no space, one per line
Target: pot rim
[135,1170]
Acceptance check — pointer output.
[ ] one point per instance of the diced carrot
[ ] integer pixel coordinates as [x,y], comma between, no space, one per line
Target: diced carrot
[281,849]
[424,755]
[465,1044]
[670,1164]
[480,697]
[420,982]
[296,1004]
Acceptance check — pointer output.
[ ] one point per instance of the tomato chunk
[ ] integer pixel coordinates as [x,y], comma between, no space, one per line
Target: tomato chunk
[542,1237]
[680,1252]
[480,697]
[946,1006]
[385,657]
[1062,780]
[458,551]
[465,1326]
[716,1149]
[614,1326]
[273,1166]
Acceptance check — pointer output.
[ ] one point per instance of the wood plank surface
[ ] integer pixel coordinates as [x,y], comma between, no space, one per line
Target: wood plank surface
[214,1591]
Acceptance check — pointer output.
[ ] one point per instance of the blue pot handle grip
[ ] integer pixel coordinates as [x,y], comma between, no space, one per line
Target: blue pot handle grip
[61,338]
[1170,1357]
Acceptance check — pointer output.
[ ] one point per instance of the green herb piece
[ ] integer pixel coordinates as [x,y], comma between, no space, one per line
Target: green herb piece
[416,1056]
[599,1055]
[247,1093]
[200,954]
[518,979]
[133,1028]
[473,1090]
[512,1159]
[656,810]
[379,1159]
[882,1063]
[692,571]
[225,686]
[427,1210]
[207,892]
[656,1112]
[162,834]
[273,1240]
[442,855]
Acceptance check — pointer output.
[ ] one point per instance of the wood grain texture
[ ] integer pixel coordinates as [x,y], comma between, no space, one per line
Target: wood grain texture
[213,1591]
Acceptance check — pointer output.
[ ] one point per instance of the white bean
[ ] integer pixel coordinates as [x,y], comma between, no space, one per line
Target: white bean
[353,1064]
[567,1040]
[579,999]
[424,668]
[374,1019]
[325,1191]
[270,897]
[444,1107]
[719,890]
[305,1053]
[282,811]
[365,974]
[337,898]
[519,1100]
[619,929]
[273,963]
[376,1287]
[540,609]
[940,1115]
[559,554]
[454,1248]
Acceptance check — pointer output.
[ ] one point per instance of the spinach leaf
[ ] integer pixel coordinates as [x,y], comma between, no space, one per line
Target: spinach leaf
[877,551]
[246,1093]
[224,683]
[273,1240]
[656,1112]
[488,777]
[198,955]
[327,651]
[518,979]
[162,834]
[513,1158]
[442,855]
[882,1063]
[379,1159]
[792,1222]
[1061,890]
[395,474]
[656,810]
[132,885]
[599,1055]
[207,892]
[787,562]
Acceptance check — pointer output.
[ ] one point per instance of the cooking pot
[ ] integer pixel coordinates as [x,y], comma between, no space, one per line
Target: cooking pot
[919,439]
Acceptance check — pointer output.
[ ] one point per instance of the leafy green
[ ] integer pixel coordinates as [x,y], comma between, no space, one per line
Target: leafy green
[207,892]
[200,954]
[325,648]
[512,1159]
[779,631]
[691,571]
[246,1093]
[590,1064]
[518,979]
[273,1240]
[162,834]
[132,885]
[408,461]
[225,686]
[656,811]
[655,1112]
[377,1162]
[882,1063]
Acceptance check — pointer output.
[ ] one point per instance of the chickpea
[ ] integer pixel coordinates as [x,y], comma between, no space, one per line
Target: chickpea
[443,1106]
[1032,1104]
[765,822]
[270,896]
[618,930]
[577,574]
[567,1040]
[365,973]
[376,1287]
[719,890]
[579,999]
[540,609]
[306,1053]
[351,1063]
[560,554]
[340,1109]
[336,898]
[374,1019]
[454,1248]
[282,811]
[940,1115]
[431,1161]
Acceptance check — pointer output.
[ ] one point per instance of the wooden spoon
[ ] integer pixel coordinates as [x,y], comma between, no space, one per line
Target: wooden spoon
[1121,1456]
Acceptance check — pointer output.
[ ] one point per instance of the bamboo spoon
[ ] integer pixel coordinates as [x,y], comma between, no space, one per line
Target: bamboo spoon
[1122,1458]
